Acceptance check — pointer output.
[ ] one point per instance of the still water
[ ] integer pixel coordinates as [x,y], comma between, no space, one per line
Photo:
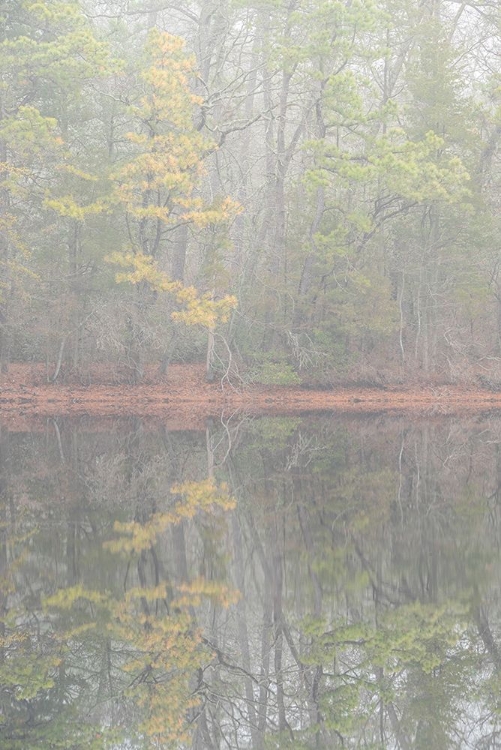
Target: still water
[315,582]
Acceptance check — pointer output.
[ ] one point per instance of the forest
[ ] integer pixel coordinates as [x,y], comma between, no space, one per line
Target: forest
[285,190]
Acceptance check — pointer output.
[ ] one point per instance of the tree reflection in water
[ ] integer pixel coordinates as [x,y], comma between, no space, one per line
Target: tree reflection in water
[302,583]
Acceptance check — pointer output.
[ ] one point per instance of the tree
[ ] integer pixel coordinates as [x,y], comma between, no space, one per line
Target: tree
[155,188]
[46,52]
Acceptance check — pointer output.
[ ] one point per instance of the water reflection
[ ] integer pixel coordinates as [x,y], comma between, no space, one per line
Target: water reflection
[273,583]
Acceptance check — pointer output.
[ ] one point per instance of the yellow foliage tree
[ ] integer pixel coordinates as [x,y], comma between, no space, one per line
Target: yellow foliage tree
[158,622]
[190,498]
[156,183]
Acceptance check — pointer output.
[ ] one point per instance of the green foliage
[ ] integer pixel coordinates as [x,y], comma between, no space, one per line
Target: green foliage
[274,433]
[417,635]
[361,137]
[274,373]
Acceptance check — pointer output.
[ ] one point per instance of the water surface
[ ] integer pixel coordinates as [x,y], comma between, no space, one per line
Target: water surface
[312,582]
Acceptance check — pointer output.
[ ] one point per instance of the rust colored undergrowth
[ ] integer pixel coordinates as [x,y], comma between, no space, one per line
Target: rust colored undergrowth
[184,398]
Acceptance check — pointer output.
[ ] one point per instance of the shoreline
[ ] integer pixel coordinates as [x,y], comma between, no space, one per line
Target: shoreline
[184,395]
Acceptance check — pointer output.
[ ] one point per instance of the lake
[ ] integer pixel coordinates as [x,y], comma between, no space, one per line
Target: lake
[317,581]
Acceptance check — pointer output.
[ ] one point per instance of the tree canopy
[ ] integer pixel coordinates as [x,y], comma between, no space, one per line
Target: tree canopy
[309,186]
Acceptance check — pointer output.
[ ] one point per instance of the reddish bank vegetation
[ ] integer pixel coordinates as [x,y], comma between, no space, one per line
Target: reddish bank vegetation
[184,397]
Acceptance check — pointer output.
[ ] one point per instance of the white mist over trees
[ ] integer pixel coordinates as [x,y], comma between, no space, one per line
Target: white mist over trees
[306,187]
